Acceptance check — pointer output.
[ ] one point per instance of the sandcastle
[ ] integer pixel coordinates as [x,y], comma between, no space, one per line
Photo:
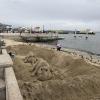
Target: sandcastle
[41,68]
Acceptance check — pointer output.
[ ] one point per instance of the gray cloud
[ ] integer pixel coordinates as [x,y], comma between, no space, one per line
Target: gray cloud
[66,13]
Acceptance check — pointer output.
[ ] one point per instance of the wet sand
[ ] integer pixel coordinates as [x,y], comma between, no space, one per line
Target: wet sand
[52,75]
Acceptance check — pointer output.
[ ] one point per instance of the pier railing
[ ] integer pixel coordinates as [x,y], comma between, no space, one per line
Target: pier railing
[28,34]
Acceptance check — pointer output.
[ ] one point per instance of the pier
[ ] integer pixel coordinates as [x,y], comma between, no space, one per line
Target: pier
[41,37]
[36,37]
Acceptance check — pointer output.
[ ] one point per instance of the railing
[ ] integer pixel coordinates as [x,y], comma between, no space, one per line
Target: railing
[9,34]
[33,34]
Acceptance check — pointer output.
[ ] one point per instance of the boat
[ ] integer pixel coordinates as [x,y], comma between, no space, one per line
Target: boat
[88,31]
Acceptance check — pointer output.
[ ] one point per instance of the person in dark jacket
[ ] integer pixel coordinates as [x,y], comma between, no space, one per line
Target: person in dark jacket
[58,47]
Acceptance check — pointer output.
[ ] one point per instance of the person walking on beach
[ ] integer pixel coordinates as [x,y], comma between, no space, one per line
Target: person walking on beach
[58,47]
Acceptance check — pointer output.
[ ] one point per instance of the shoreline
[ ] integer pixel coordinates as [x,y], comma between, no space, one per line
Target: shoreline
[87,56]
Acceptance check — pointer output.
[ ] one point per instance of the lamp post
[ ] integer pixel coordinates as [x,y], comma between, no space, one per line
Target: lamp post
[31,30]
[43,29]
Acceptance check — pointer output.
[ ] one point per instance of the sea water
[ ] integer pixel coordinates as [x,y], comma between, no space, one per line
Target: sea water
[91,44]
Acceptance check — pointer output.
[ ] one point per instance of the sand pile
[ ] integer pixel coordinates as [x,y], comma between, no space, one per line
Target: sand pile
[46,74]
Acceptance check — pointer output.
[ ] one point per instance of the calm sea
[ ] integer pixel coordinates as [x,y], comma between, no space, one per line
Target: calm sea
[92,44]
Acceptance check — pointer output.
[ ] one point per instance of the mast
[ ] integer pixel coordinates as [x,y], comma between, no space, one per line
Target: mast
[87,31]
[75,33]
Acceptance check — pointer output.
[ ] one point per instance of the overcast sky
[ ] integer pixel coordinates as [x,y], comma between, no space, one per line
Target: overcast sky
[54,14]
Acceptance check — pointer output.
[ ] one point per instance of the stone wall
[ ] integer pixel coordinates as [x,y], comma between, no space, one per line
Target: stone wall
[9,89]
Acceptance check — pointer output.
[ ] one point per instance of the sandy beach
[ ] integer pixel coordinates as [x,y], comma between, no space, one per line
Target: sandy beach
[49,50]
[89,58]
[43,73]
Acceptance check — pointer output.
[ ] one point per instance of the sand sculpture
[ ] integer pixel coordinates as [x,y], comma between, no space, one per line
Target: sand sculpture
[41,68]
